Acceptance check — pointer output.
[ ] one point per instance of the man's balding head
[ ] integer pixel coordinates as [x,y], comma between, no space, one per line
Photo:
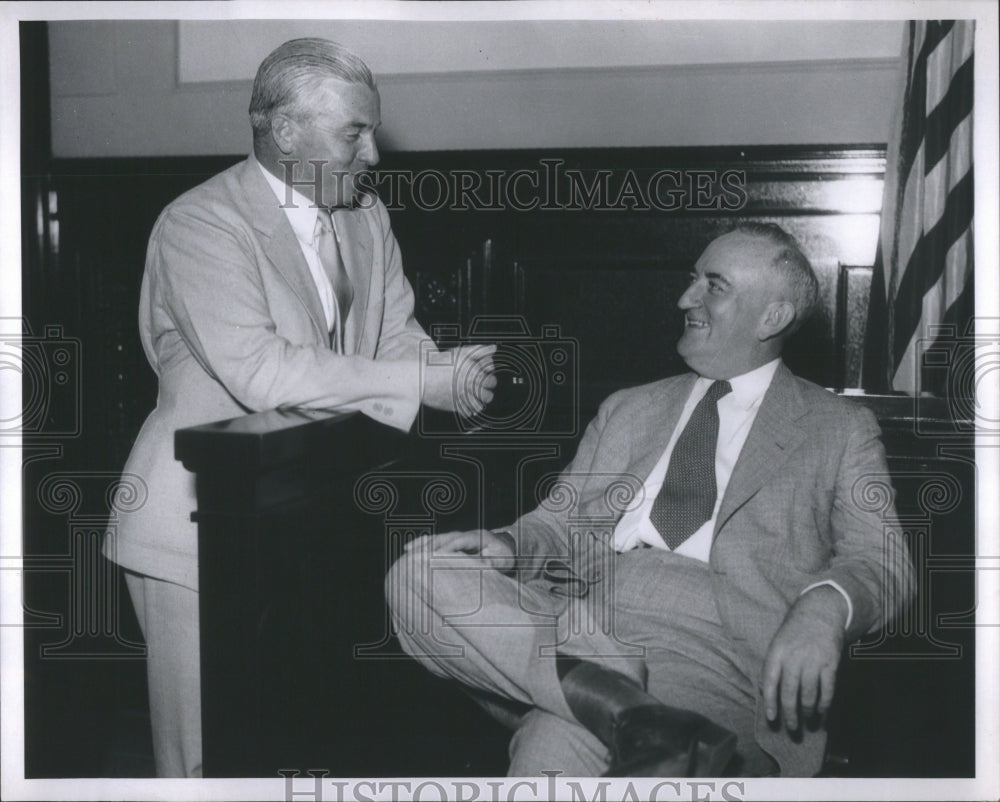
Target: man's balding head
[749,290]
[797,281]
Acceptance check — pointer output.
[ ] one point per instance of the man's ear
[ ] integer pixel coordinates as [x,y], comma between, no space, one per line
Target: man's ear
[283,133]
[777,317]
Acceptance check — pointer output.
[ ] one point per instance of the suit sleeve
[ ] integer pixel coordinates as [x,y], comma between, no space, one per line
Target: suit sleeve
[871,562]
[401,335]
[205,276]
[544,530]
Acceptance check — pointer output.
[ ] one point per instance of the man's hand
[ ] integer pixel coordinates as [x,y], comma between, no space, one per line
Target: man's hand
[494,549]
[801,664]
[459,380]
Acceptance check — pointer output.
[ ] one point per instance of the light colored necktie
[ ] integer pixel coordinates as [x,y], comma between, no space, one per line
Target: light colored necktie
[687,497]
[329,255]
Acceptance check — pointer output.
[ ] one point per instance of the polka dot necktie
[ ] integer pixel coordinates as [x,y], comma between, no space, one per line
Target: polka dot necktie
[687,497]
[329,255]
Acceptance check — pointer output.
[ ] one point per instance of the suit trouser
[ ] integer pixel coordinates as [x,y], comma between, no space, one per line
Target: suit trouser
[653,617]
[168,618]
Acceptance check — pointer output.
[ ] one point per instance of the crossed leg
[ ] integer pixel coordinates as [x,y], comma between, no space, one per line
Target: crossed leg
[463,620]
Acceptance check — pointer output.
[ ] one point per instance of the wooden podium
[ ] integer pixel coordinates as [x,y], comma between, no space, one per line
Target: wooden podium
[298,668]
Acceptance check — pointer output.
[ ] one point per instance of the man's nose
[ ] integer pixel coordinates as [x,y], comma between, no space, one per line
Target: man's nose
[691,297]
[369,153]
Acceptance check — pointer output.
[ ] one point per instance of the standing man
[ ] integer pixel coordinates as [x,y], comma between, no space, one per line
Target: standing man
[700,633]
[274,283]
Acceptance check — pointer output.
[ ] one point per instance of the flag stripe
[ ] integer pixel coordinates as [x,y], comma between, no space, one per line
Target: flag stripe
[923,272]
[944,176]
[942,64]
[922,200]
[956,105]
[915,97]
[958,268]
[927,263]
[956,295]
[935,243]
[909,219]
[943,295]
[960,385]
[961,312]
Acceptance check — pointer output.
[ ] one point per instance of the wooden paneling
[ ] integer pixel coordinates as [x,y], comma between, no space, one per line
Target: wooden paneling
[906,696]
[854,286]
[601,242]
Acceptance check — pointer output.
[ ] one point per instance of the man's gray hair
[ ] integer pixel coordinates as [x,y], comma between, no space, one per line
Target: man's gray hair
[288,78]
[791,265]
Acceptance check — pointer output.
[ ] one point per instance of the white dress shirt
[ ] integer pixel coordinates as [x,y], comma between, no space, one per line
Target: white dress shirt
[302,217]
[737,413]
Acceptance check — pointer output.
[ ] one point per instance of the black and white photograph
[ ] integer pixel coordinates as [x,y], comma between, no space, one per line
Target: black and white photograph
[530,400]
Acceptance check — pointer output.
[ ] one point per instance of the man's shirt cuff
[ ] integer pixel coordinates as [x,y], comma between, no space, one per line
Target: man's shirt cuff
[831,583]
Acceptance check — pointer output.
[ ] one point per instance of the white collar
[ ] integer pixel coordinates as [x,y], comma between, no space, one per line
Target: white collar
[301,214]
[749,388]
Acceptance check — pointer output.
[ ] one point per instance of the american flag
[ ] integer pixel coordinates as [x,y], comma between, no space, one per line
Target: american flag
[922,283]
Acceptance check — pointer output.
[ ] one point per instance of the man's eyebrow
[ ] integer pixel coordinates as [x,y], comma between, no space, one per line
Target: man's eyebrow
[718,277]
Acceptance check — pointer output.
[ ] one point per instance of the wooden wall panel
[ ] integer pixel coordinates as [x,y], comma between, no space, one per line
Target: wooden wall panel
[609,272]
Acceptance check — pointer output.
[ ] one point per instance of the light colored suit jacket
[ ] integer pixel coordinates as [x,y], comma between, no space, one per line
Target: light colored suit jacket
[231,322]
[808,500]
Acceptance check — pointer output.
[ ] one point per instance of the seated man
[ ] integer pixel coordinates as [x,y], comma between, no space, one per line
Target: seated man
[700,633]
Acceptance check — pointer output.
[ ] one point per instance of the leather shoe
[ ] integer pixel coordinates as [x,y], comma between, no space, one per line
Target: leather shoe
[659,741]
[645,737]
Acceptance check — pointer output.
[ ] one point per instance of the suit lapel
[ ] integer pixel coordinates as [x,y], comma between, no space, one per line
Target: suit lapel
[654,429]
[280,244]
[774,435]
[356,251]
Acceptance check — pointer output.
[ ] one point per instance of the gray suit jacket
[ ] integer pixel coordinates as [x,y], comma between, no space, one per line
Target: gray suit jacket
[808,500]
[231,322]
